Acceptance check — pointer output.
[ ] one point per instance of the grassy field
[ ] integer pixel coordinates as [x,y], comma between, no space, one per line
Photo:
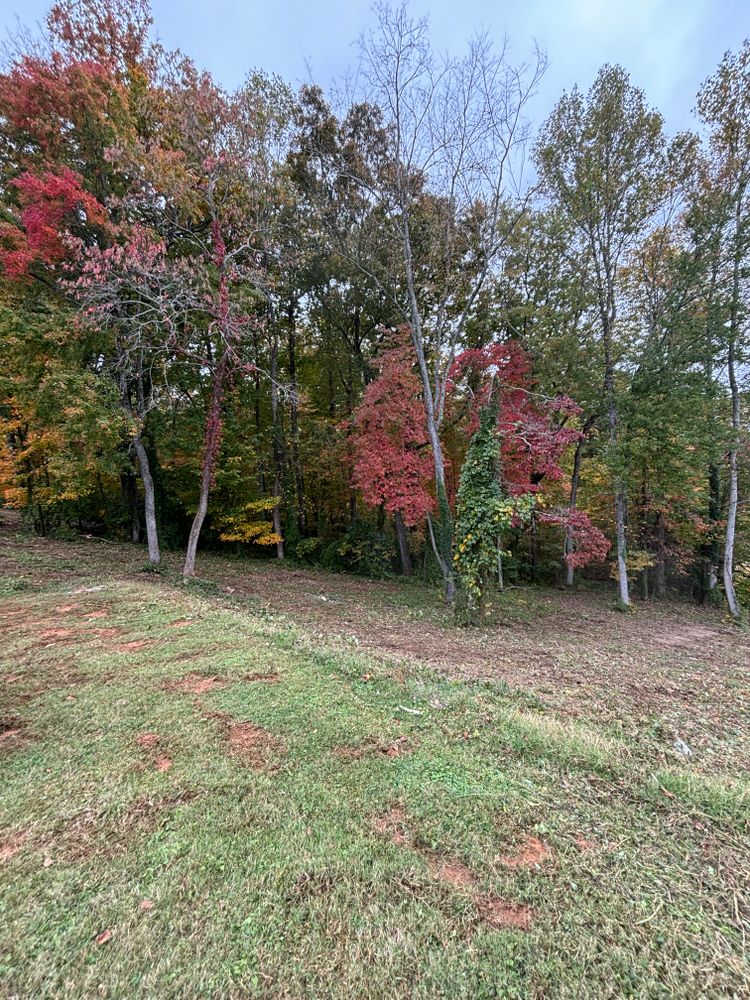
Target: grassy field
[208,794]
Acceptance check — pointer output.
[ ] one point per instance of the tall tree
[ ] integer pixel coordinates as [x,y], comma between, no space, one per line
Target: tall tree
[724,107]
[602,159]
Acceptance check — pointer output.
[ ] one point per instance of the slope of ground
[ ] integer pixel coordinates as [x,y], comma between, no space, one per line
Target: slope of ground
[241,789]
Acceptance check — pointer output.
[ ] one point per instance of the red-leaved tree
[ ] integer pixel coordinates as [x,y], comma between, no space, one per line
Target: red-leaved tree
[393,463]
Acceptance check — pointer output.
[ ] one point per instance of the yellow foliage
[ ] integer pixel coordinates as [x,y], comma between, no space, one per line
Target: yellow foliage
[248,526]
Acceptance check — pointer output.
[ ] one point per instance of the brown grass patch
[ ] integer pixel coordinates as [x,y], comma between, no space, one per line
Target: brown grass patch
[134,646]
[147,740]
[392,824]
[11,843]
[271,678]
[92,832]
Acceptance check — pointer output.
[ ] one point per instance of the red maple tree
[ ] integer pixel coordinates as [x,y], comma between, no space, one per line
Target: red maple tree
[392,460]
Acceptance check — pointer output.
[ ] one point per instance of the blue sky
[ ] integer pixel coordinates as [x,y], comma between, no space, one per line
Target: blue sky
[668,46]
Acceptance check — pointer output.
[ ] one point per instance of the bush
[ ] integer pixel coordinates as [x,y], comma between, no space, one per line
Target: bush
[362,550]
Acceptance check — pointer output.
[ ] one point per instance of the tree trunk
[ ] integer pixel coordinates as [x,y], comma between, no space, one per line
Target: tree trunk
[210,452]
[152,534]
[277,445]
[622,566]
[621,503]
[299,485]
[402,536]
[731,595]
[443,543]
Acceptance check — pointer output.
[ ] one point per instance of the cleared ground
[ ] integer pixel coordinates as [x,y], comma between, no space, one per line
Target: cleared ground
[283,783]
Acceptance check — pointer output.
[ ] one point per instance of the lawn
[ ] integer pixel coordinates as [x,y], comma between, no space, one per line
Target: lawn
[220,792]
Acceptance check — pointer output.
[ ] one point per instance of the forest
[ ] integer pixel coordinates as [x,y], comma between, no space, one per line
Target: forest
[395,329]
[374,514]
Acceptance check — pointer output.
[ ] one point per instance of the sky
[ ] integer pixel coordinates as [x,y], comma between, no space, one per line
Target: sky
[668,46]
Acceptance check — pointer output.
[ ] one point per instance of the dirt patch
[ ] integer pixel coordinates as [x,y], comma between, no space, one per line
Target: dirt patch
[271,678]
[583,844]
[147,740]
[10,844]
[452,872]
[392,824]
[502,914]
[49,636]
[65,609]
[528,854]
[107,633]
[373,746]
[254,745]
[196,684]
[101,613]
[181,623]
[134,646]
[163,763]
[12,734]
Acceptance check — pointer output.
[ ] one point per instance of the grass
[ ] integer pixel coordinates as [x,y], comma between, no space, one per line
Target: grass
[291,846]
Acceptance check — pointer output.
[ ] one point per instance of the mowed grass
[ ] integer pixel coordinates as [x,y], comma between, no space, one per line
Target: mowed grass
[223,808]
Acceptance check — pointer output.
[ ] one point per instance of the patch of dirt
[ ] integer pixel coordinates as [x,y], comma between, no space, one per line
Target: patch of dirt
[107,633]
[452,872]
[502,914]
[147,740]
[254,745]
[197,684]
[65,609]
[49,636]
[583,844]
[10,844]
[528,854]
[163,763]
[402,745]
[101,613]
[392,824]
[181,623]
[271,678]
[134,646]
[12,735]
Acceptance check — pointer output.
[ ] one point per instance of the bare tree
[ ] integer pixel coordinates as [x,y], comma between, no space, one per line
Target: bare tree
[441,148]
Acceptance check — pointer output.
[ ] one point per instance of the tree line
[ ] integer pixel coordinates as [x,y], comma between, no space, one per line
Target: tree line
[393,330]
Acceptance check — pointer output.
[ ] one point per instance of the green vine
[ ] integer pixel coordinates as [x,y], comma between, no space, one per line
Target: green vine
[483,513]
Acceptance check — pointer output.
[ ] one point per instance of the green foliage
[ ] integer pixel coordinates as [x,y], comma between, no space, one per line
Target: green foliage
[362,550]
[308,549]
[483,513]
